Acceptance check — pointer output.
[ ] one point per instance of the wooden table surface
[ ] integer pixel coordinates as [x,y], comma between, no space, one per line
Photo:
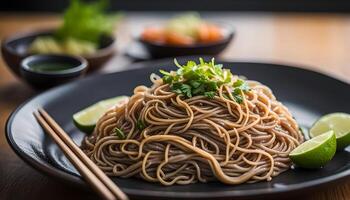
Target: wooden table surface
[316,41]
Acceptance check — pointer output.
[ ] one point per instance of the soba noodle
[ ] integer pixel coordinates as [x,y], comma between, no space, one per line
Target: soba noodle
[198,139]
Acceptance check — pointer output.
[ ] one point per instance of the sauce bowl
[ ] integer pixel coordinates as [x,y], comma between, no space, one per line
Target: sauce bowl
[46,71]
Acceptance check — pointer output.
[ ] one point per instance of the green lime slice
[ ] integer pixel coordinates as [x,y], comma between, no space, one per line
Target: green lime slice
[316,152]
[339,123]
[85,120]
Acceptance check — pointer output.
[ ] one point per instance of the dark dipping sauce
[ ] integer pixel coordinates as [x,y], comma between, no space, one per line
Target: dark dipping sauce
[50,66]
[45,71]
[53,64]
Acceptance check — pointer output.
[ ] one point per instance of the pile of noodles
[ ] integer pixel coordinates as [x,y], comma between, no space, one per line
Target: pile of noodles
[188,140]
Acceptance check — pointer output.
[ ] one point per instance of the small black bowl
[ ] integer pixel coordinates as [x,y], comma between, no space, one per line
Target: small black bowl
[40,79]
[159,50]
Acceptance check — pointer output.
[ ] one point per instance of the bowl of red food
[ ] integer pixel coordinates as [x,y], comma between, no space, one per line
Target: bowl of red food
[186,34]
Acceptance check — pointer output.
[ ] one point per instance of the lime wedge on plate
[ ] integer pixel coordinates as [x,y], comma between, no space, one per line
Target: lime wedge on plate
[339,123]
[85,120]
[315,152]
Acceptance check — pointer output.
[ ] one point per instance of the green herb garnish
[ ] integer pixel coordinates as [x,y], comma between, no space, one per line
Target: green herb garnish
[193,79]
[237,95]
[240,86]
[119,133]
[86,21]
[204,78]
[210,94]
[140,125]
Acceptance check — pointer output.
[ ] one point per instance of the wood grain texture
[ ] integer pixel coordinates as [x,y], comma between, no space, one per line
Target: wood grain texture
[319,42]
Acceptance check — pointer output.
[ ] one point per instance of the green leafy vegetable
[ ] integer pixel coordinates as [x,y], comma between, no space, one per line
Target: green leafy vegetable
[84,24]
[119,133]
[86,21]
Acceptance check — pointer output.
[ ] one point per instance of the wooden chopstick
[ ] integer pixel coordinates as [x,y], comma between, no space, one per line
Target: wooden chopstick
[86,160]
[89,170]
[79,165]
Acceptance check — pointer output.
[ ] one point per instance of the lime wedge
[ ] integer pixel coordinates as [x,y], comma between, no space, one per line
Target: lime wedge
[339,123]
[85,120]
[315,152]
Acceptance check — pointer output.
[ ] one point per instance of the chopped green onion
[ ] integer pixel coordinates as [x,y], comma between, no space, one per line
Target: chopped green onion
[119,133]
[140,125]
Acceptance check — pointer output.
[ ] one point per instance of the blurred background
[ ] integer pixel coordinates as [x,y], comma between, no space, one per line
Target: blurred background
[180,5]
[306,33]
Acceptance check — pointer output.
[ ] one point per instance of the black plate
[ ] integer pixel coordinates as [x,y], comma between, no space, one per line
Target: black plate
[307,94]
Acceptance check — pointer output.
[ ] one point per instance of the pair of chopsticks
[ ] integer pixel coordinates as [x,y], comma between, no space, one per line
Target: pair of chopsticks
[87,169]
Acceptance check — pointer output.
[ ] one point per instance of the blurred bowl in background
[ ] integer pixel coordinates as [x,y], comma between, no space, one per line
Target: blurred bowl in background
[15,48]
[160,50]
[46,71]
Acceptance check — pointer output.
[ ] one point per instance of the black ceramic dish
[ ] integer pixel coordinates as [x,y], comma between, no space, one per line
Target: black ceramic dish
[14,50]
[47,79]
[307,94]
[159,50]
